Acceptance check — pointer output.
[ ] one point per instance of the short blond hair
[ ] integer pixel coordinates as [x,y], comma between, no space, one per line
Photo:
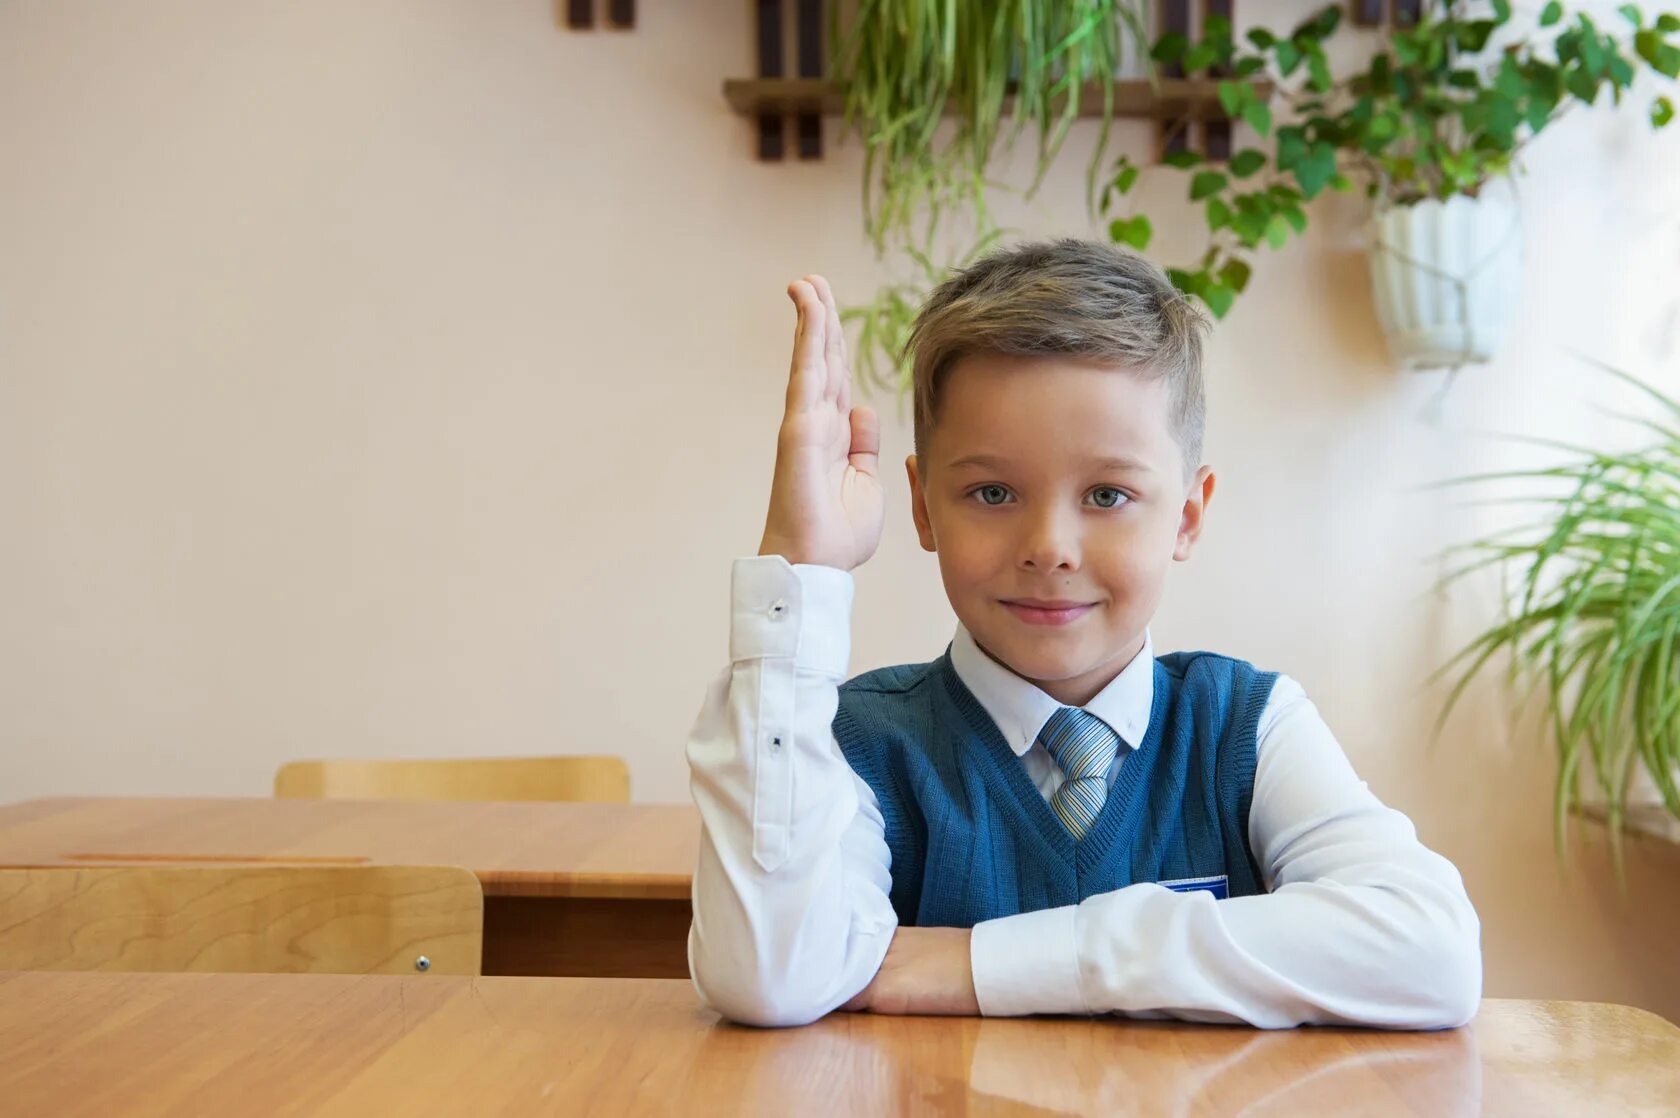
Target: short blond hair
[1067,297]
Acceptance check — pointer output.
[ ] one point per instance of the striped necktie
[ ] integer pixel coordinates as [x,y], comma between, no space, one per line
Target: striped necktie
[1084,746]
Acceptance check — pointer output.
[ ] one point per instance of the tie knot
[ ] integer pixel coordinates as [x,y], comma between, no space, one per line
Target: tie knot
[1081,743]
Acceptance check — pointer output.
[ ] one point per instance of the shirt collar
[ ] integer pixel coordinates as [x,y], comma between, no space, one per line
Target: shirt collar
[1020,709]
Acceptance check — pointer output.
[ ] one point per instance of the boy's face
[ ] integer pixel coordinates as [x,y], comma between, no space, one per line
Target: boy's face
[1055,482]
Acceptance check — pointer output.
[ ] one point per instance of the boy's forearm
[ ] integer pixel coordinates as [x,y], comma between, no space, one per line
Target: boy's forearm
[1365,925]
[789,919]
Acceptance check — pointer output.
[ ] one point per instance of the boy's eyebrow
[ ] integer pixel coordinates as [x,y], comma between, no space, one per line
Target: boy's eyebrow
[1112,462]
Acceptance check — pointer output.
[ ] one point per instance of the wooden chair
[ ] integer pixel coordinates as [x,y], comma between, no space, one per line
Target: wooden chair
[591,779]
[244,918]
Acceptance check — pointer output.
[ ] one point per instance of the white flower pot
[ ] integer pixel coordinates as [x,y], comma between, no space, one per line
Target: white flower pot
[1446,276]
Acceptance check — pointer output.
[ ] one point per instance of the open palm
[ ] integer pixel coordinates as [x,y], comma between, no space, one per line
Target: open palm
[826,504]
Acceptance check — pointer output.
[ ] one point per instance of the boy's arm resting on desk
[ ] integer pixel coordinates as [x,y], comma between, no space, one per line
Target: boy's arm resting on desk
[1364,926]
[791,912]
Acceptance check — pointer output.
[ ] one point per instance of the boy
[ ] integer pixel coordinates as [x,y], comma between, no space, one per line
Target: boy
[1048,818]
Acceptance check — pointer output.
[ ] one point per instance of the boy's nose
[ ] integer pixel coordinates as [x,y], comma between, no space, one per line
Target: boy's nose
[1051,544]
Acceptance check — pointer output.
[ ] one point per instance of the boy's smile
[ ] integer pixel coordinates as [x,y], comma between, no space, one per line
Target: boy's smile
[1055,495]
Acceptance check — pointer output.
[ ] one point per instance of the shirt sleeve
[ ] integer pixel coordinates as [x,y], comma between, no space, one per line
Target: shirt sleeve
[1364,925]
[791,909]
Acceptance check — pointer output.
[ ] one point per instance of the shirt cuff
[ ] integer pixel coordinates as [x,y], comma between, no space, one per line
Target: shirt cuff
[799,612]
[1027,964]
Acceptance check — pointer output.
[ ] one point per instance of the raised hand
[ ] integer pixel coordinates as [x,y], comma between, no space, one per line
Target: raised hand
[826,505]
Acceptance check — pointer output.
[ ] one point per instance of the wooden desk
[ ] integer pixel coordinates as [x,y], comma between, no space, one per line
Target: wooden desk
[143,1044]
[569,889]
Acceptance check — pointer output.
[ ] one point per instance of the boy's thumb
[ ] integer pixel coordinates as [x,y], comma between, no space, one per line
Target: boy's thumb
[866,439]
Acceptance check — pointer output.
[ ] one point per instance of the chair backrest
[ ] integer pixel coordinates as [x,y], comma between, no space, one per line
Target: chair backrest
[269,918]
[593,779]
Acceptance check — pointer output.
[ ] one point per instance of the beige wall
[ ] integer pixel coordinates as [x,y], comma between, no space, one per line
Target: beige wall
[401,378]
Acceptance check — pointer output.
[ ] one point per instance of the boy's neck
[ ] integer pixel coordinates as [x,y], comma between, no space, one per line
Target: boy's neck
[1082,689]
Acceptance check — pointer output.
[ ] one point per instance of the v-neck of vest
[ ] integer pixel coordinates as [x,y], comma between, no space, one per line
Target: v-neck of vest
[1008,773]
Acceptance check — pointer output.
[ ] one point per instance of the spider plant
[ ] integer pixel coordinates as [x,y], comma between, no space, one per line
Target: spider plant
[904,65]
[1593,613]
[989,67]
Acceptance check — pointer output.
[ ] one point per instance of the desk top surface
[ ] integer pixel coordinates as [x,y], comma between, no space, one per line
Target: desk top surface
[141,1044]
[516,849]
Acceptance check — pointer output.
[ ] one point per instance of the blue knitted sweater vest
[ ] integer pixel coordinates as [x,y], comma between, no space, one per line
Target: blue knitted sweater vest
[973,839]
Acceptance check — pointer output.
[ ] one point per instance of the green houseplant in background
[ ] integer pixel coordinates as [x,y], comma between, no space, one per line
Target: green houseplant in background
[907,67]
[1592,616]
[1439,113]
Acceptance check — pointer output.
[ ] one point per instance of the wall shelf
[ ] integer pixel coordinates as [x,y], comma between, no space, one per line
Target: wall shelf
[1167,99]
[1650,822]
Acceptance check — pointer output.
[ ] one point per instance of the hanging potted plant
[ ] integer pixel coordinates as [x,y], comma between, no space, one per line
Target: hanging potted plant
[1432,126]
[985,70]
[1592,616]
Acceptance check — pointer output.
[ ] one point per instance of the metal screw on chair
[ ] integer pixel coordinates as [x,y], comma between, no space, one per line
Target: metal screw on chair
[422,963]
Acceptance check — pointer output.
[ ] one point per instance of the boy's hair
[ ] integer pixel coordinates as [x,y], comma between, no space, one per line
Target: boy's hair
[1070,297]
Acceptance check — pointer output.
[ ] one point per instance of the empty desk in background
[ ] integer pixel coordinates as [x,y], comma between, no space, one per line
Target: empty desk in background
[569,888]
[145,1044]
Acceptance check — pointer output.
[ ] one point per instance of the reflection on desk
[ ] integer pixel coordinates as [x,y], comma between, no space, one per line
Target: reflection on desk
[168,1044]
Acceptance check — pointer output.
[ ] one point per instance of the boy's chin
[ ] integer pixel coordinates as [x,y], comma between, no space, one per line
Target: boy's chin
[1041,664]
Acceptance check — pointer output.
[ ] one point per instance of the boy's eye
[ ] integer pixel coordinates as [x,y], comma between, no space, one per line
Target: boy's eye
[1107,497]
[992,494]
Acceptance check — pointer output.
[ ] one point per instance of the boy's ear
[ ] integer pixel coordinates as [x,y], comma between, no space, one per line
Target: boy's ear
[1195,513]
[918,506]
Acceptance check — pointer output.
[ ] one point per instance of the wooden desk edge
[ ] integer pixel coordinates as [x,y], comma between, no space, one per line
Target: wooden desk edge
[1632,1011]
[602,886]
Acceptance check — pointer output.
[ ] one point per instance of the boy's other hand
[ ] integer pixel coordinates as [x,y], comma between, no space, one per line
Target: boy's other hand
[927,972]
[826,504]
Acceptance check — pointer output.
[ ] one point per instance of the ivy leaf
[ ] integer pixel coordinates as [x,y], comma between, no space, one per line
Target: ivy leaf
[1183,160]
[1288,56]
[1207,183]
[1233,96]
[1630,13]
[1200,57]
[1551,14]
[1258,116]
[1662,111]
[1250,226]
[1319,26]
[1127,178]
[1277,231]
[1135,231]
[1319,69]
[1315,170]
[1291,146]
[1218,298]
[1235,275]
[1169,48]
[1218,215]
[1247,161]
[1668,23]
[1261,38]
[1190,283]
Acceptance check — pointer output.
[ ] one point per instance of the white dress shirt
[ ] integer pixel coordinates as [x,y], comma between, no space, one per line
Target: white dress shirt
[1362,924]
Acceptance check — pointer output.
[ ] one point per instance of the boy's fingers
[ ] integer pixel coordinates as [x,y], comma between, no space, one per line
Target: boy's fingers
[835,350]
[809,372]
[831,336]
[866,441]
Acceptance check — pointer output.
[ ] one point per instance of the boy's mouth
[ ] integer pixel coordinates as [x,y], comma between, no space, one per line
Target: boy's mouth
[1047,611]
